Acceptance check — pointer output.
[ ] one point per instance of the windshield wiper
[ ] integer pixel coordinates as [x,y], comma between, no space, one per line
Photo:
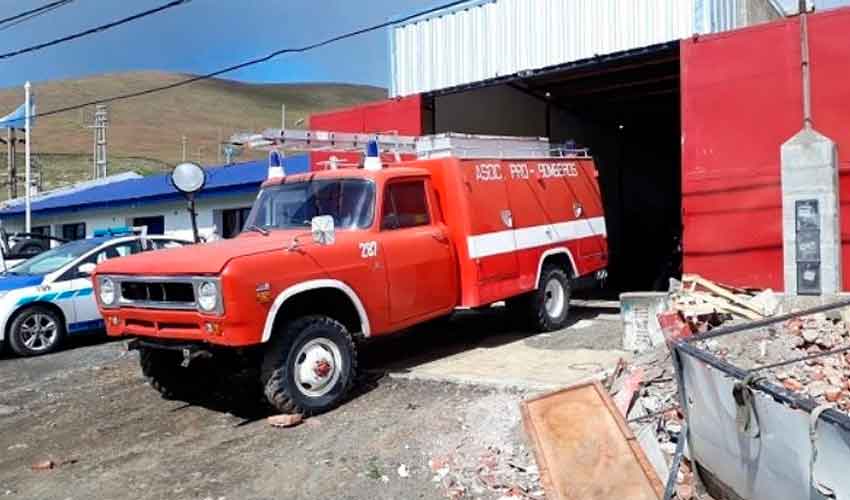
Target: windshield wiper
[257,229]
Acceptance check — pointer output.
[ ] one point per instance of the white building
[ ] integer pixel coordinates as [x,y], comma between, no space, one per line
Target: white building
[222,205]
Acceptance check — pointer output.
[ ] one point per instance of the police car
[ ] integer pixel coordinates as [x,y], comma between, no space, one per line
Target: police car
[49,296]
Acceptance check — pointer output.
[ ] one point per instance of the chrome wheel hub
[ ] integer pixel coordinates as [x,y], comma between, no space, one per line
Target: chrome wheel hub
[555,298]
[317,367]
[39,332]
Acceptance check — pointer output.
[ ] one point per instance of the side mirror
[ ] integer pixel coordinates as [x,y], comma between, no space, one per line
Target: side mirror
[86,269]
[322,227]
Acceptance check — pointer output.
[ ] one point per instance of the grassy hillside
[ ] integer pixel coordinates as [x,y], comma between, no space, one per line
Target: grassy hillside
[145,133]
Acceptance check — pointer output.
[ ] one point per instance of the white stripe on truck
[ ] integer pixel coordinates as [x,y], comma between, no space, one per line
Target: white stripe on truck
[484,245]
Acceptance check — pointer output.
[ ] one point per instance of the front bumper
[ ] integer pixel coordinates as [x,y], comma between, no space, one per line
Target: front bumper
[170,325]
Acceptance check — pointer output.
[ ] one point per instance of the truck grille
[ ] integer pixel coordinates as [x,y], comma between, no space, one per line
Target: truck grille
[164,293]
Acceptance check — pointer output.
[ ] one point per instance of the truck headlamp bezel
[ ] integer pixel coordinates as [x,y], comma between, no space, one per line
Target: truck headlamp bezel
[206,302]
[105,283]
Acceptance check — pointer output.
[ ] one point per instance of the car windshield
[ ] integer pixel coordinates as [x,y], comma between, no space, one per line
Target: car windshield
[53,259]
[351,202]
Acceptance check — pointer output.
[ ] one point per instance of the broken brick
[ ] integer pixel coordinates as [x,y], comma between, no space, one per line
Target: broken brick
[285,420]
[792,385]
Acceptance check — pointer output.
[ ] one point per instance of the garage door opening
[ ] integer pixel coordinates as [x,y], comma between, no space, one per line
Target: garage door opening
[626,109]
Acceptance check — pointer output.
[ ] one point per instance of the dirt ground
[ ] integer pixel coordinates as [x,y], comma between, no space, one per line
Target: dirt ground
[111,437]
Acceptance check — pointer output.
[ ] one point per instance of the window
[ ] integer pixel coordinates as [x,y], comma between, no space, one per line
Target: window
[161,244]
[75,231]
[233,221]
[53,260]
[119,250]
[292,205]
[42,230]
[155,224]
[405,205]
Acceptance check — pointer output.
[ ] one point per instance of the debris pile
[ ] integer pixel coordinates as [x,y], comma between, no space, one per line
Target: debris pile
[483,458]
[653,412]
[704,304]
[825,379]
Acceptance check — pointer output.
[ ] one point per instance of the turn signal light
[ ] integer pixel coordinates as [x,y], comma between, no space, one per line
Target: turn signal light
[212,328]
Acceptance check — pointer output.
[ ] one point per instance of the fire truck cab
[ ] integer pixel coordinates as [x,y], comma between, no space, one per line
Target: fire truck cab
[332,257]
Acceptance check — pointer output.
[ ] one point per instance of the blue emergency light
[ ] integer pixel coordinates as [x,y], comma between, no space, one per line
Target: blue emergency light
[113,231]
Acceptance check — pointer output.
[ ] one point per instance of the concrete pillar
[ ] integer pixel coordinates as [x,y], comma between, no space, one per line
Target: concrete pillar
[811,232]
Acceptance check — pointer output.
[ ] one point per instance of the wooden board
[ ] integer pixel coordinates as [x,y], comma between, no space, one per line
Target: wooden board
[585,449]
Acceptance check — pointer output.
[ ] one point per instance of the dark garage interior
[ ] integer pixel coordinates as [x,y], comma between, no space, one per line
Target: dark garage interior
[624,107]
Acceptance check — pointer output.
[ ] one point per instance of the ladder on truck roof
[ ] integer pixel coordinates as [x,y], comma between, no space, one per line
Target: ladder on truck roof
[322,140]
[430,146]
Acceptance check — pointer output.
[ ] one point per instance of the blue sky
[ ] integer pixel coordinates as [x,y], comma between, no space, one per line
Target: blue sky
[205,35]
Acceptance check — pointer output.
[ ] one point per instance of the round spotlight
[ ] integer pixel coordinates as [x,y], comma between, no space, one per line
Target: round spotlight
[188,178]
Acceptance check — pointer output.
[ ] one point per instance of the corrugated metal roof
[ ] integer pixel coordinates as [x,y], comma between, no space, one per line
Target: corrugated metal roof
[485,39]
[236,178]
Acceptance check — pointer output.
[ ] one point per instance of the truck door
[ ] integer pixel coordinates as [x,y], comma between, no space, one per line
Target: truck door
[492,242]
[421,268]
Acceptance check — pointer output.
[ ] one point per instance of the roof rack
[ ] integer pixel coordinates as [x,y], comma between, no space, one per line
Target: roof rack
[322,140]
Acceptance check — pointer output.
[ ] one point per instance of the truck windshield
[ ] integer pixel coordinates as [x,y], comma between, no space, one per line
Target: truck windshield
[351,202]
[55,258]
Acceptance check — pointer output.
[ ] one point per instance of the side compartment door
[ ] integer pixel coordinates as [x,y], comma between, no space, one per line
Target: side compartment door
[491,241]
[420,261]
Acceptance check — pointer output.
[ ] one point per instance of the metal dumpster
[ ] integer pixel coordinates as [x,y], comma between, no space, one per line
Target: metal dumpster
[754,440]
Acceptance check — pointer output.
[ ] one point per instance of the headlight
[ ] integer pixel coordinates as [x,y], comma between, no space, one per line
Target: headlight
[107,292]
[207,296]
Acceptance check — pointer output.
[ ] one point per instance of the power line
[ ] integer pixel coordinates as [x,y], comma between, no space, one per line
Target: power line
[37,10]
[259,60]
[91,31]
[33,16]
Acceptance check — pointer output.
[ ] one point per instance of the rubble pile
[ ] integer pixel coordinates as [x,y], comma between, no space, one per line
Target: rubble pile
[483,459]
[704,304]
[825,379]
[653,414]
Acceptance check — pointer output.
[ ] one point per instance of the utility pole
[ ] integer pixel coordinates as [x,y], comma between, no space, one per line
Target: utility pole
[99,155]
[218,148]
[11,151]
[183,143]
[28,158]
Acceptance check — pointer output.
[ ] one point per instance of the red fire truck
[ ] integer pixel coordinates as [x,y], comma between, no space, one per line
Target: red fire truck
[332,257]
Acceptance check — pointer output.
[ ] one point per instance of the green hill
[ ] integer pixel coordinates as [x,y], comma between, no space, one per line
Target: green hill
[145,133]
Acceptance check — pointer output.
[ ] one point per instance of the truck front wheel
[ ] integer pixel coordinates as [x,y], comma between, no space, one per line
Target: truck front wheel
[162,369]
[309,367]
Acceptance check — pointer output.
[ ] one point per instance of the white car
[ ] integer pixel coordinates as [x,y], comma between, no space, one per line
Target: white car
[49,296]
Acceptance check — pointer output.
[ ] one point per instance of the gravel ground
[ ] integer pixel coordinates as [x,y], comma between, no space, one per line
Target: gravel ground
[88,411]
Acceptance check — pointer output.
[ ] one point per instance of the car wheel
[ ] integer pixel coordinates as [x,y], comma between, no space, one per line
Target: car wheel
[36,330]
[309,367]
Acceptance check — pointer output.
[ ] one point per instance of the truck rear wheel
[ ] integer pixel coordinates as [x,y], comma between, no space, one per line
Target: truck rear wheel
[547,308]
[162,369]
[310,366]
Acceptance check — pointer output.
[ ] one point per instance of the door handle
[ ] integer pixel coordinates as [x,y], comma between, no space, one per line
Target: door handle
[441,237]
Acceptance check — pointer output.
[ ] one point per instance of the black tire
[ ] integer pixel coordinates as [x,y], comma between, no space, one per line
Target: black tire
[532,309]
[46,340]
[278,374]
[163,371]
[29,248]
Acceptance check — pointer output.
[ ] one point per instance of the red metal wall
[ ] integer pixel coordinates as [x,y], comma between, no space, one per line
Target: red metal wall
[741,99]
[403,116]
